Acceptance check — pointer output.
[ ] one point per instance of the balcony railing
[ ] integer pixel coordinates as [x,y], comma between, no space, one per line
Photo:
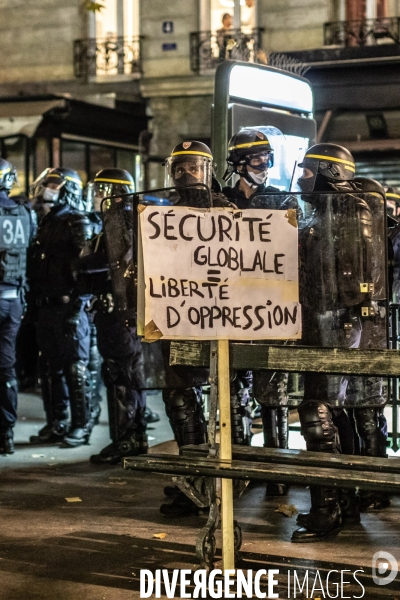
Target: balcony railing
[95,57]
[209,48]
[366,32]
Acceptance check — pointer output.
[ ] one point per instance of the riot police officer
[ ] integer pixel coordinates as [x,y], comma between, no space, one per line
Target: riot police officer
[336,255]
[62,325]
[18,228]
[251,155]
[114,296]
[190,163]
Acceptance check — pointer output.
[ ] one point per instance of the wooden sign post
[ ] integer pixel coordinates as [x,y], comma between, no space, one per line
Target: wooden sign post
[219,274]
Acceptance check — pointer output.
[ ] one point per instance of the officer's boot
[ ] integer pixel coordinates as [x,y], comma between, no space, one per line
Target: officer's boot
[132,444]
[372,429]
[324,519]
[184,410]
[55,402]
[321,435]
[7,440]
[8,403]
[127,425]
[350,506]
[79,385]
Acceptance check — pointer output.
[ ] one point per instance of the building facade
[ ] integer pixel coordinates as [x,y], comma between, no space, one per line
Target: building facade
[150,56]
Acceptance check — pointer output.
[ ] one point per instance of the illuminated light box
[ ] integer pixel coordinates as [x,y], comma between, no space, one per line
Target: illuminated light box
[271,88]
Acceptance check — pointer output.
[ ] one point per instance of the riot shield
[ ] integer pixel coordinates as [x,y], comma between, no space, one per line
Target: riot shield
[119,217]
[343,290]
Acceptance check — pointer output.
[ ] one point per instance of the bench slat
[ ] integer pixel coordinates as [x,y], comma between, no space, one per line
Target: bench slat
[236,469]
[294,359]
[303,457]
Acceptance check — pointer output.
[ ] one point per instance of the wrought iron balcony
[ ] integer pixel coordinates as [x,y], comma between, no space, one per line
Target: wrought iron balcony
[209,48]
[366,32]
[95,57]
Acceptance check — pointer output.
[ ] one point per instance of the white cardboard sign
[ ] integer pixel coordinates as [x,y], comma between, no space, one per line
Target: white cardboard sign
[220,273]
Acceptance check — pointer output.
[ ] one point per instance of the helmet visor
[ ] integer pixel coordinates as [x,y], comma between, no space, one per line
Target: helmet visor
[260,160]
[117,192]
[10,178]
[36,188]
[304,176]
[184,170]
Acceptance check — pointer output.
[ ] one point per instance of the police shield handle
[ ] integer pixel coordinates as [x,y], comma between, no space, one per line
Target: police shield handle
[228,542]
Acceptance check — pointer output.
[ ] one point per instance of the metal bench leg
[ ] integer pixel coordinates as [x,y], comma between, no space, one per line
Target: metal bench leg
[206,544]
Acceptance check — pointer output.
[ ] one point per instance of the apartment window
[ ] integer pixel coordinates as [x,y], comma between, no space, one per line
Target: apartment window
[118,18]
[243,13]
[113,47]
[366,9]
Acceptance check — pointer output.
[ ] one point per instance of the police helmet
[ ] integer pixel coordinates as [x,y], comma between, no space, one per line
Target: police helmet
[59,185]
[112,182]
[393,192]
[8,175]
[250,147]
[190,162]
[325,164]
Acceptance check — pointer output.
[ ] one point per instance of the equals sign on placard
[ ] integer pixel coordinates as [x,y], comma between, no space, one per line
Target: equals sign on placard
[210,276]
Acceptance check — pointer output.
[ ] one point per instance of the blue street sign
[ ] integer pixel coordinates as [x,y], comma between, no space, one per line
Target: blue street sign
[171,46]
[168,26]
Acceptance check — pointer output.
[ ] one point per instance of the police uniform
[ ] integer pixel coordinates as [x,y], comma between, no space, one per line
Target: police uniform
[250,155]
[16,230]
[115,318]
[63,330]
[190,163]
[337,253]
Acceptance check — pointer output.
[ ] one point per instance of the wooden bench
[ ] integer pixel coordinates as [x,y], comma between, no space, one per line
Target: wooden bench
[286,466]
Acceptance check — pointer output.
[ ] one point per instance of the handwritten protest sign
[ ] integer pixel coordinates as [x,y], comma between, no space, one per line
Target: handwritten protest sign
[220,273]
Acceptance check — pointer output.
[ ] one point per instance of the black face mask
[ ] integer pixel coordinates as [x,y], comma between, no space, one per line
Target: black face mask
[306,184]
[185,179]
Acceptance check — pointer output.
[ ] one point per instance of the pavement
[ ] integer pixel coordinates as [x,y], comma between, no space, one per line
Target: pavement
[73,530]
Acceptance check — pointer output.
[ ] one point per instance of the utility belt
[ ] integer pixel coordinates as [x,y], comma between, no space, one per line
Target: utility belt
[53,301]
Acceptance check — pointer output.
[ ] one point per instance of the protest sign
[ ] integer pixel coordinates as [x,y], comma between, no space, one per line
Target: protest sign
[220,273]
